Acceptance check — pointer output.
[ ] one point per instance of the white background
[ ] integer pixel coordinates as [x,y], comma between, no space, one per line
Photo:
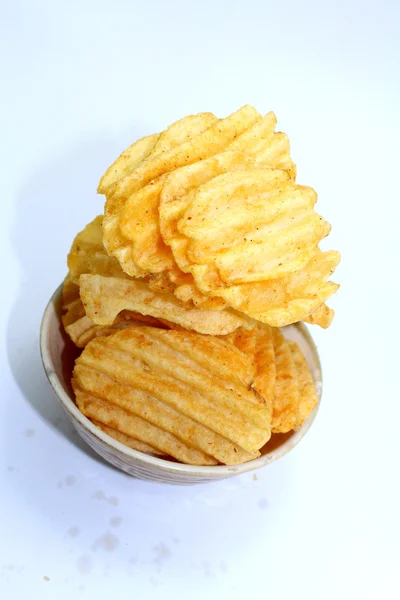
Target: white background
[79,82]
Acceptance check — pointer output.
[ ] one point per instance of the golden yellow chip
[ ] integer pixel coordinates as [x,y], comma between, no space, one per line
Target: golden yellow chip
[209,137]
[81,328]
[128,440]
[182,131]
[179,133]
[105,297]
[323,316]
[133,426]
[191,386]
[70,291]
[248,226]
[87,254]
[126,163]
[286,399]
[183,286]
[288,299]
[307,394]
[131,224]
[258,345]
[264,362]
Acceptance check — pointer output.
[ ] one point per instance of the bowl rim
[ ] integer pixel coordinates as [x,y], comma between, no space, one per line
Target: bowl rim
[217,471]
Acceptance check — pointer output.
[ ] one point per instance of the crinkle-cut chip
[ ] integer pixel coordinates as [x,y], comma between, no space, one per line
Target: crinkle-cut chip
[206,140]
[279,302]
[323,316]
[182,131]
[286,398]
[248,226]
[203,378]
[139,222]
[87,254]
[184,288]
[70,291]
[244,340]
[82,330]
[105,297]
[126,163]
[307,394]
[258,345]
[139,225]
[71,305]
[264,360]
[129,424]
[129,255]
[128,440]
[140,248]
[161,415]
[249,150]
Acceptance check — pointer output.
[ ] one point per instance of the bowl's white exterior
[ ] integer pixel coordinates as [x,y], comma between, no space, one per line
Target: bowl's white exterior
[52,345]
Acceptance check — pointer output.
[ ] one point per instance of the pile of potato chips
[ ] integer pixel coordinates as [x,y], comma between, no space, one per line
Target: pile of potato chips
[207,246]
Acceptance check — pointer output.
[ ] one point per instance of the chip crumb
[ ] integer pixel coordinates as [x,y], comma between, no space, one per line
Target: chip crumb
[46,578]
[255,478]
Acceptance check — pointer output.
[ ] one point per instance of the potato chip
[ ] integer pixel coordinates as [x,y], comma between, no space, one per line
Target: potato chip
[128,440]
[161,415]
[286,398]
[288,299]
[129,424]
[126,163]
[183,286]
[70,291]
[195,387]
[323,316]
[182,131]
[248,226]
[81,328]
[87,254]
[258,345]
[209,137]
[105,297]
[71,305]
[264,362]
[307,394]
[131,227]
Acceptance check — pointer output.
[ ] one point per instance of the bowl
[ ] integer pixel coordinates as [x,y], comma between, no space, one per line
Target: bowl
[58,356]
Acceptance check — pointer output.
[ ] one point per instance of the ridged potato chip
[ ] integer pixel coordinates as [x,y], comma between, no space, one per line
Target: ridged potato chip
[281,378]
[105,297]
[287,397]
[81,328]
[307,394]
[258,345]
[323,316]
[248,226]
[128,440]
[193,387]
[126,163]
[131,425]
[279,302]
[131,224]
[140,221]
[88,255]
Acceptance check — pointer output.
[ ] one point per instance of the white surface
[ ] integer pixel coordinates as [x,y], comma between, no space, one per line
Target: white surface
[80,81]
